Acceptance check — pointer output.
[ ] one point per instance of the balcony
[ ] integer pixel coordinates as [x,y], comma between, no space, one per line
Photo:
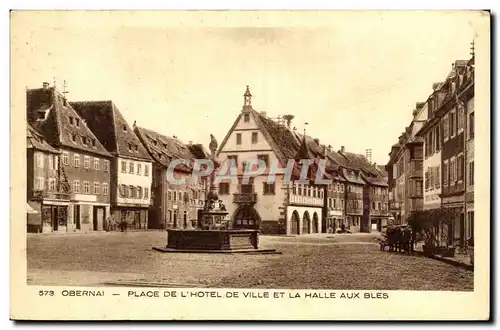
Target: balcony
[245,198]
[416,168]
[53,195]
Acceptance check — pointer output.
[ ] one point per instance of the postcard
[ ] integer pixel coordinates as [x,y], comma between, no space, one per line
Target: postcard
[250,165]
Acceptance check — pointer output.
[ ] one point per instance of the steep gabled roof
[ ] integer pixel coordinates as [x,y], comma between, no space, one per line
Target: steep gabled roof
[35,140]
[360,162]
[380,181]
[58,122]
[163,149]
[108,124]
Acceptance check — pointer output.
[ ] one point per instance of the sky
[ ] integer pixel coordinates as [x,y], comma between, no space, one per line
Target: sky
[353,76]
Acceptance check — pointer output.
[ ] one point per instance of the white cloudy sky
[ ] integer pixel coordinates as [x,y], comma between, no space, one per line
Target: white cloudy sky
[355,77]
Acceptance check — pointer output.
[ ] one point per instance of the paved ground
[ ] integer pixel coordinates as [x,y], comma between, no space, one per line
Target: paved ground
[308,262]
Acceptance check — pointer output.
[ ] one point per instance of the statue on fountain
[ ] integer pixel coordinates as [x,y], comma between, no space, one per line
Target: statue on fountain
[214,210]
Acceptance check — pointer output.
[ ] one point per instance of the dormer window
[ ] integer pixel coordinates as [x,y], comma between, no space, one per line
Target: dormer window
[129,147]
[124,127]
[136,147]
[73,137]
[155,142]
[93,142]
[70,120]
[159,155]
[246,117]
[77,122]
[165,145]
[84,140]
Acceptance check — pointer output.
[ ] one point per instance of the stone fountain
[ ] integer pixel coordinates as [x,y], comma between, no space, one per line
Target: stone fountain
[214,232]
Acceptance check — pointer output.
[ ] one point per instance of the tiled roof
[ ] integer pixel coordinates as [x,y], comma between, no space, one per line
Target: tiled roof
[381,169]
[59,123]
[163,149]
[108,124]
[360,162]
[352,176]
[376,181]
[36,141]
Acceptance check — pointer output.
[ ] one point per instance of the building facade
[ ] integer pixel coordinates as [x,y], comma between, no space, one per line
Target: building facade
[48,191]
[131,166]
[176,199]
[278,206]
[84,162]
[405,168]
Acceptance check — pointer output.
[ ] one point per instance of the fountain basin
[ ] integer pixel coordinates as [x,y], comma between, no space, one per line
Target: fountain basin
[214,241]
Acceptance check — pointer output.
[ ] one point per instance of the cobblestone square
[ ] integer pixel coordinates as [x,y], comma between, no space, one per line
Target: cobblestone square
[339,262]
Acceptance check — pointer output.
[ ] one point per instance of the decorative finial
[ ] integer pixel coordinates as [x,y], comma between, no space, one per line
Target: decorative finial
[65,88]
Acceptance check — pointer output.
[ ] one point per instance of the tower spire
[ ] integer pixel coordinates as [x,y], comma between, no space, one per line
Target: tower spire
[247,100]
[472,48]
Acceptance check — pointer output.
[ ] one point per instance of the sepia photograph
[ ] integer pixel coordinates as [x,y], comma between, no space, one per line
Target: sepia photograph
[331,152]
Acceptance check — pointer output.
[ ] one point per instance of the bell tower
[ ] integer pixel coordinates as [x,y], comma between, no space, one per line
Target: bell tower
[247,101]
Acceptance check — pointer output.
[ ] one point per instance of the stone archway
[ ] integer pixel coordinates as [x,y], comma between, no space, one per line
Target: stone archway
[295,223]
[315,223]
[306,223]
[246,217]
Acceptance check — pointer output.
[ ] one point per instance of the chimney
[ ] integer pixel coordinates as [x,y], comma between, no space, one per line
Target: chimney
[419,105]
[45,85]
[317,141]
[325,151]
[329,148]
[263,114]
[342,149]
[190,143]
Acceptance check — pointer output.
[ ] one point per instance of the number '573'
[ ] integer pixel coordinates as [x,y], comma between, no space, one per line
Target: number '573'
[46,293]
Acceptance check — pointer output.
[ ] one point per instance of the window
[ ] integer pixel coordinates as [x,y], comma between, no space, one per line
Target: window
[131,191]
[255,137]
[471,125]
[86,187]
[446,127]
[105,189]
[146,193]
[269,188]
[460,167]
[96,164]
[86,161]
[373,205]
[70,120]
[418,189]
[294,189]
[76,160]
[124,127]
[438,176]
[139,168]
[446,168]
[106,165]
[52,184]
[300,189]
[123,190]
[460,115]
[77,122]
[76,186]
[453,171]
[93,142]
[334,203]
[437,139]
[427,178]
[379,206]
[65,158]
[124,166]
[84,140]
[51,161]
[264,158]
[39,160]
[73,138]
[238,138]
[246,117]
[130,147]
[146,170]
[234,158]
[139,192]
[452,124]
[131,168]
[224,188]
[246,188]
[169,195]
[471,173]
[96,188]
[175,195]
